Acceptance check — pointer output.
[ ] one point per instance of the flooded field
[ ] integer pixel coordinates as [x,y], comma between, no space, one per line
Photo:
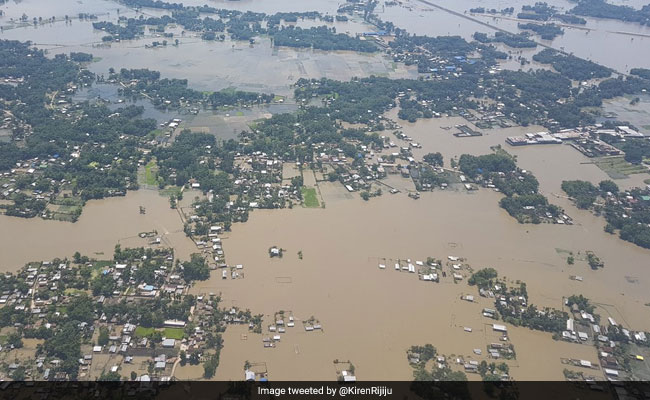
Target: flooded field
[102,225]
[362,307]
[629,109]
[622,44]
[258,67]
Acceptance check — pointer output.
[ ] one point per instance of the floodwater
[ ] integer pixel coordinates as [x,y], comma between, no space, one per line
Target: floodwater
[363,310]
[108,92]
[621,45]
[551,164]
[636,114]
[223,124]
[258,67]
[102,225]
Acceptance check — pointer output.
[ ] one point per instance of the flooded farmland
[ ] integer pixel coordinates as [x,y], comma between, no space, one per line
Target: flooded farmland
[102,225]
[362,307]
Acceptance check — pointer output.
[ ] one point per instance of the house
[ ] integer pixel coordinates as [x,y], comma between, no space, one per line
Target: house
[174,323]
[169,343]
[499,328]
[249,376]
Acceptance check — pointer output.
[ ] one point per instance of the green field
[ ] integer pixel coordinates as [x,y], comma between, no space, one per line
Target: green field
[169,333]
[173,333]
[310,198]
[151,173]
[141,331]
[618,168]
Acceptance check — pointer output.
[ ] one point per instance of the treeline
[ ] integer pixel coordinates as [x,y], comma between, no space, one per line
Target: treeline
[584,193]
[483,10]
[641,72]
[105,140]
[240,26]
[351,101]
[603,9]
[546,31]
[628,212]
[322,38]
[522,200]
[571,66]
[442,45]
[541,11]
[520,41]
[169,93]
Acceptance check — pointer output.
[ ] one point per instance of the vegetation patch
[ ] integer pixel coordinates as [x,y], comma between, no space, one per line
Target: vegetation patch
[151,173]
[173,333]
[141,331]
[310,198]
[618,168]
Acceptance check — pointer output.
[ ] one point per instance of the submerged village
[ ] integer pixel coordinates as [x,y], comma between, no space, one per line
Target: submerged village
[246,300]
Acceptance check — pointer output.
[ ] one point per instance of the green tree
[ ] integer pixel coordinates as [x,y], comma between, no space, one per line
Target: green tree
[102,339]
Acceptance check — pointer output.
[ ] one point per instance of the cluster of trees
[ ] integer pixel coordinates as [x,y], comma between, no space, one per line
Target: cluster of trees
[81,57]
[322,38]
[541,11]
[582,303]
[570,19]
[546,31]
[603,9]
[583,193]
[572,67]
[522,200]
[421,374]
[482,10]
[433,159]
[483,278]
[106,139]
[520,41]
[240,26]
[529,207]
[630,219]
[473,166]
[166,93]
[492,372]
[641,72]
[363,100]
[441,45]
[547,320]
[196,269]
